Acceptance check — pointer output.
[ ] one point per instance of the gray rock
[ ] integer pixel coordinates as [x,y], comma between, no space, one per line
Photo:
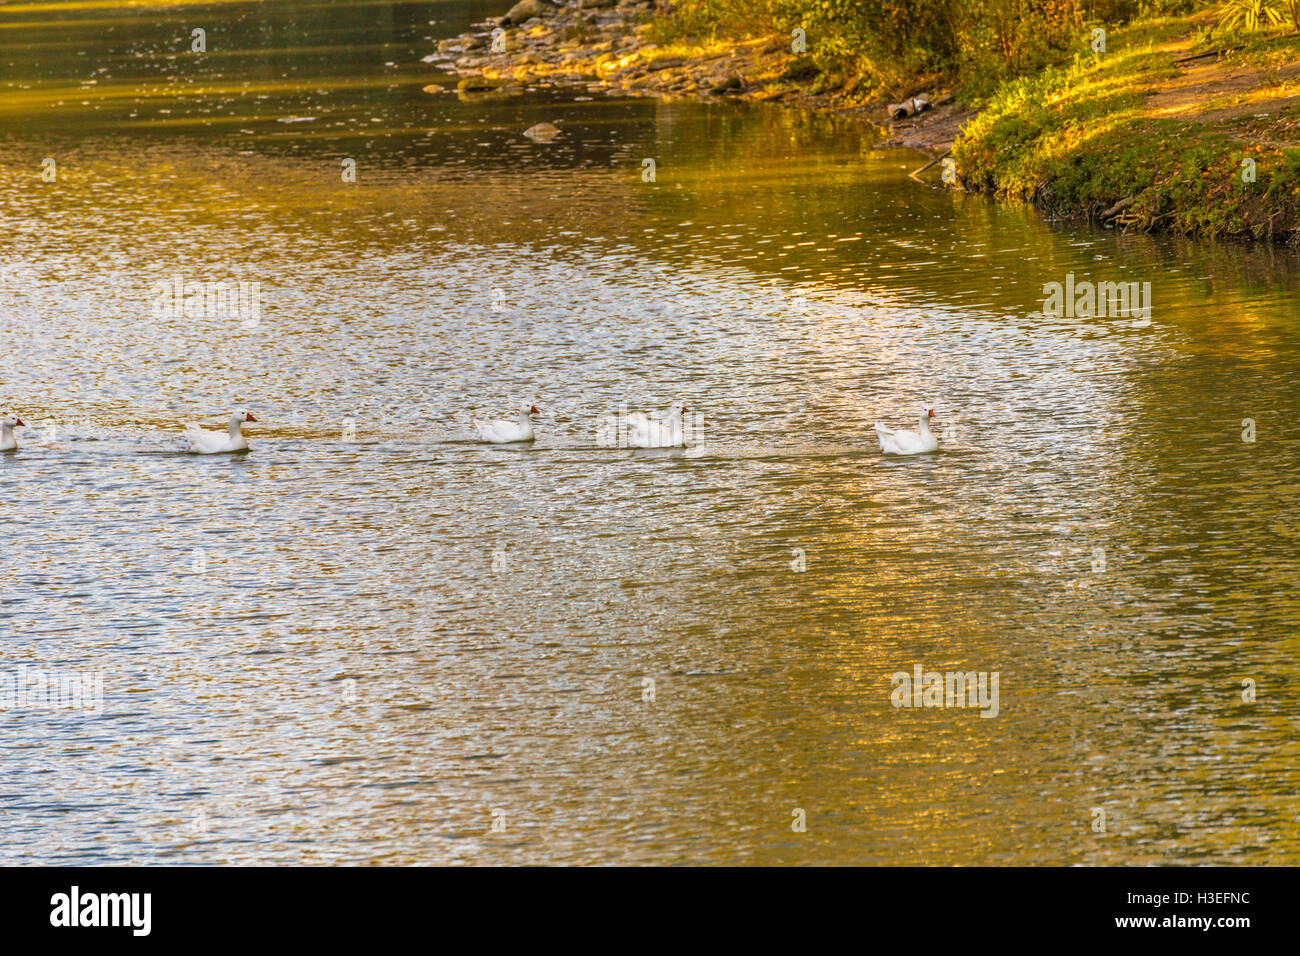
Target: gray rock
[542,132]
[526,10]
[909,107]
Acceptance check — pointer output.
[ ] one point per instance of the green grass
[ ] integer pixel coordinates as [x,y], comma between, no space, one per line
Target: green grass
[1075,139]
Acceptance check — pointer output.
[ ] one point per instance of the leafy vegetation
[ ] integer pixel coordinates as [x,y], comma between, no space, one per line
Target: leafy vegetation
[889,46]
[1065,121]
[1250,15]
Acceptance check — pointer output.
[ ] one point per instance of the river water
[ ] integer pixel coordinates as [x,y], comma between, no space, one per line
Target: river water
[373,640]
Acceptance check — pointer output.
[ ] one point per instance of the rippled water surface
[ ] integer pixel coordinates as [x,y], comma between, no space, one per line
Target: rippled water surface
[369,637]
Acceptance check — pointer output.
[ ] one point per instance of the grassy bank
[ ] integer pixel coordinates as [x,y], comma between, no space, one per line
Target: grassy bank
[1126,133]
[1207,146]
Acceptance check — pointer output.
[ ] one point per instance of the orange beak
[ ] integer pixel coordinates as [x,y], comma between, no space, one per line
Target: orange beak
[251,417]
[19,422]
[532,410]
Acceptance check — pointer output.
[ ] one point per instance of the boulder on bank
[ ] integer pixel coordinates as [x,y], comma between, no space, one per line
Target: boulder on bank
[475,84]
[799,70]
[666,63]
[526,10]
[909,107]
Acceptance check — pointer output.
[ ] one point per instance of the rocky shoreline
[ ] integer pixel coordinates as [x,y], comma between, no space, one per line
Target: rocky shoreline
[614,47]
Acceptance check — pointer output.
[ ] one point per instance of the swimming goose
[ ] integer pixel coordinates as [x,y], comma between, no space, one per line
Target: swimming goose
[635,420]
[214,443]
[503,432]
[908,443]
[7,426]
[663,432]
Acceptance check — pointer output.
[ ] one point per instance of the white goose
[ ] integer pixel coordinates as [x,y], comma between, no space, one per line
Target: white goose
[634,420]
[214,443]
[7,426]
[663,432]
[908,443]
[503,432]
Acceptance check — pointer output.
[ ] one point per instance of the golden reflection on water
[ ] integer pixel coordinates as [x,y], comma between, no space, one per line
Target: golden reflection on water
[350,680]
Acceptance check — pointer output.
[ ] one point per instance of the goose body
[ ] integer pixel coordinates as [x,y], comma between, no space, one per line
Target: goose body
[505,432]
[625,422]
[7,426]
[202,442]
[903,442]
[665,431]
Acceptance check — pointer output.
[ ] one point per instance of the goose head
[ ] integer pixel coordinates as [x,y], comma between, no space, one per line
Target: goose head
[10,422]
[925,416]
[239,418]
[528,408]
